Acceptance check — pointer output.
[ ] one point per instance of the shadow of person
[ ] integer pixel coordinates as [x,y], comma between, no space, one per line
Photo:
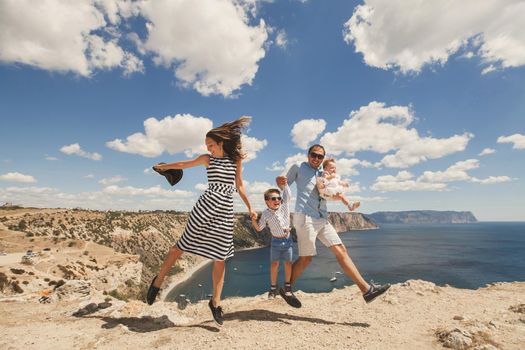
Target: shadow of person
[147,324]
[270,316]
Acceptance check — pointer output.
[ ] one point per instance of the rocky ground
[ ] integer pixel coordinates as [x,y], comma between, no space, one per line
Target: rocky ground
[412,315]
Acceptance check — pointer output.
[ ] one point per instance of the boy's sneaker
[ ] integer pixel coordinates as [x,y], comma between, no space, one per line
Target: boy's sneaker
[272,294]
[217,313]
[290,298]
[375,291]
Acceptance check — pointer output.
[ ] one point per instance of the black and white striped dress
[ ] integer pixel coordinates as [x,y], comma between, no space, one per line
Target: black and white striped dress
[209,231]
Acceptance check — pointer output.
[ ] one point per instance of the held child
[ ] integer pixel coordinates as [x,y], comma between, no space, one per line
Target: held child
[331,187]
[277,218]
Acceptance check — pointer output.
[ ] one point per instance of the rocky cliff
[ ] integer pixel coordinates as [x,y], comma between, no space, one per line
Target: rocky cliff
[423,217]
[148,235]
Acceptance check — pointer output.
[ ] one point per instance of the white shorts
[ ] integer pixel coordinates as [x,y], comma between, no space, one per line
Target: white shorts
[308,229]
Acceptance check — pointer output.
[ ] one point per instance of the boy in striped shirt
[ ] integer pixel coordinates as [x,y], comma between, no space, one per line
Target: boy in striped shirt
[277,217]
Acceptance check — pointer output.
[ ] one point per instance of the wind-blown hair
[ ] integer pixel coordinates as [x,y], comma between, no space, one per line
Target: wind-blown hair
[230,136]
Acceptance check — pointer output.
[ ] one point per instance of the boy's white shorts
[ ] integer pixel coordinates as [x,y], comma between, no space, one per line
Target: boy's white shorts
[308,229]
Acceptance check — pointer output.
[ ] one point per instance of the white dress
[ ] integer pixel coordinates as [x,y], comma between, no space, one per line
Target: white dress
[331,187]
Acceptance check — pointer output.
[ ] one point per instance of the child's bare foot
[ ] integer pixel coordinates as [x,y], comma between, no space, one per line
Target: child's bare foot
[354,206]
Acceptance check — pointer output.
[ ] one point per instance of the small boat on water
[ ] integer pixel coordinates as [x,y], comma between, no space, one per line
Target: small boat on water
[199,285]
[338,272]
[333,279]
[234,269]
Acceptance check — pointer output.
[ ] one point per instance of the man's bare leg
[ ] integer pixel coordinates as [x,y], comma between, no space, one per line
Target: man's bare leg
[349,267]
[298,267]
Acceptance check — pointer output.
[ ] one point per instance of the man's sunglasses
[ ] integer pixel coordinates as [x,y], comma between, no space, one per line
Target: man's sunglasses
[317,155]
[273,198]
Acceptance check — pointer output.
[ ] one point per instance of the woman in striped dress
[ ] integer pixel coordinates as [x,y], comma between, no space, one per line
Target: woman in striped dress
[209,231]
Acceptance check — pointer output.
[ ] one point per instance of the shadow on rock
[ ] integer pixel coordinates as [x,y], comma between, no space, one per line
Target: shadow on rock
[146,324]
[265,315]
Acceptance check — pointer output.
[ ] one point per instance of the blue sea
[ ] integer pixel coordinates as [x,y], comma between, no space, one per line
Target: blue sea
[461,255]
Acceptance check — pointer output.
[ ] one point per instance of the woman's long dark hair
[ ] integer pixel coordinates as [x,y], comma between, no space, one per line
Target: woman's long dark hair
[230,136]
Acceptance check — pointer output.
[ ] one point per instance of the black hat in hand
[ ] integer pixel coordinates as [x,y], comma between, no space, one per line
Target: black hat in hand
[172,175]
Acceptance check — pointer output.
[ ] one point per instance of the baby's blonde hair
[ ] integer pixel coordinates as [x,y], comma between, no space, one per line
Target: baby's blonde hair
[328,160]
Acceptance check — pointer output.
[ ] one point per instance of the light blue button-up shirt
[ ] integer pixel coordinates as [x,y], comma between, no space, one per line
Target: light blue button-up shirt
[308,202]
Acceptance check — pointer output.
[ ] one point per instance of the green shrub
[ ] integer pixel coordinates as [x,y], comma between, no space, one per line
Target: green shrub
[117,295]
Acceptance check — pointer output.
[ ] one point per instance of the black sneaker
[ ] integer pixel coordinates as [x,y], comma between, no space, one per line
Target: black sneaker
[217,313]
[152,292]
[272,293]
[290,298]
[375,291]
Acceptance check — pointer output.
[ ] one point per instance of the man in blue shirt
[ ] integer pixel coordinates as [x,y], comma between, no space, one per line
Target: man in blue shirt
[311,222]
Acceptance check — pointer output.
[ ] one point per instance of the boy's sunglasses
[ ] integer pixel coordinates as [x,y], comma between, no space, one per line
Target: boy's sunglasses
[317,155]
[273,198]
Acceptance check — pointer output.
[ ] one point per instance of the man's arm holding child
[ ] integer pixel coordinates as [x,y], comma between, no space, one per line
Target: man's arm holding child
[287,194]
[290,177]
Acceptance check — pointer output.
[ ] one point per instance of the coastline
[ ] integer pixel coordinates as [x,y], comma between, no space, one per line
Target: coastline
[175,280]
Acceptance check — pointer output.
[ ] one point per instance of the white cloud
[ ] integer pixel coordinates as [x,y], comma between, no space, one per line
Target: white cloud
[115,199]
[251,146]
[434,180]
[63,36]
[456,172]
[403,182]
[295,159]
[517,140]
[408,34]
[148,171]
[276,166]
[354,187]
[487,151]
[75,148]
[492,180]
[347,166]
[112,180]
[254,191]
[28,190]
[89,176]
[50,158]
[201,187]
[306,131]
[281,39]
[17,177]
[182,133]
[155,191]
[258,187]
[209,43]
[383,129]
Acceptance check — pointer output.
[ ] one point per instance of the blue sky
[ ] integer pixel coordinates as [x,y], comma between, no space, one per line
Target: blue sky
[422,104]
